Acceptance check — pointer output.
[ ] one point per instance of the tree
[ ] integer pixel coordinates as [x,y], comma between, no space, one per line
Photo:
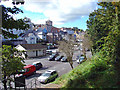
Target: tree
[86,44]
[100,23]
[8,21]
[104,30]
[67,47]
[10,63]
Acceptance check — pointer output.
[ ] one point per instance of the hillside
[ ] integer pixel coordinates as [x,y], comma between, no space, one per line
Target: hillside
[94,73]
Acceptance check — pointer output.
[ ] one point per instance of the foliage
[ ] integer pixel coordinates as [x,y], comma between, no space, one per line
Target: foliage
[95,73]
[8,22]
[67,47]
[104,30]
[86,44]
[103,70]
[11,63]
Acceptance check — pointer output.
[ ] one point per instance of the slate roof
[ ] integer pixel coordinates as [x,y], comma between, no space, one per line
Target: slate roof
[33,46]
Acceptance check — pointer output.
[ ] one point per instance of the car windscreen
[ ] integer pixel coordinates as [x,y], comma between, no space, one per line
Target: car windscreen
[46,74]
[51,56]
[64,57]
[58,57]
[81,57]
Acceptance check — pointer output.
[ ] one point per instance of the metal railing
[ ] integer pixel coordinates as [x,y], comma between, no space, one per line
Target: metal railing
[34,83]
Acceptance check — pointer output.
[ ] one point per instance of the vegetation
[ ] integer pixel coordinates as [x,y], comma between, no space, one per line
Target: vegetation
[67,47]
[94,73]
[8,22]
[10,62]
[103,70]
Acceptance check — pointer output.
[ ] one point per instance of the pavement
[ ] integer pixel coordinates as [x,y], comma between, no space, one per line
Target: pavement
[51,85]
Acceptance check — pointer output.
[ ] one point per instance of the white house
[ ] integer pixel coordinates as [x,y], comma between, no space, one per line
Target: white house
[30,38]
[32,50]
[41,34]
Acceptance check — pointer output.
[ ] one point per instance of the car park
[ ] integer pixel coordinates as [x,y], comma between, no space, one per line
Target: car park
[38,65]
[52,57]
[64,59]
[79,60]
[58,58]
[48,76]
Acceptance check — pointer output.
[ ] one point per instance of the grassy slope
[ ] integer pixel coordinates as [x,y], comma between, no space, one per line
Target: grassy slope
[95,73]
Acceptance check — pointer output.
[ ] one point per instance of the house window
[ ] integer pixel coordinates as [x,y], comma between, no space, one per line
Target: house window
[32,38]
[33,51]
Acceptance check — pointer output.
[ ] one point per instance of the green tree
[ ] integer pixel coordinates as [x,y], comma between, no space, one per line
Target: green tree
[100,23]
[104,30]
[8,21]
[10,62]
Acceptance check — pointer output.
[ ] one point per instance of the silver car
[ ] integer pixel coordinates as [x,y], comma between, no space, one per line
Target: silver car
[79,60]
[64,59]
[48,76]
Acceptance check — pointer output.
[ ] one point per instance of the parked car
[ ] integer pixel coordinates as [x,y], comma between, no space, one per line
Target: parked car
[58,58]
[88,50]
[49,52]
[38,65]
[79,60]
[27,71]
[64,59]
[52,57]
[48,76]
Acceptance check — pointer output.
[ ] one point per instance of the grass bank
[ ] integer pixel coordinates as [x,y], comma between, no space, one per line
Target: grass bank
[94,73]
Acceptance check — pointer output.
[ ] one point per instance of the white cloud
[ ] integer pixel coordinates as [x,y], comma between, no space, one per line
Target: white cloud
[61,11]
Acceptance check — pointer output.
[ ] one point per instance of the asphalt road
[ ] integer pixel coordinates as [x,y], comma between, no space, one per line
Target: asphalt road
[60,67]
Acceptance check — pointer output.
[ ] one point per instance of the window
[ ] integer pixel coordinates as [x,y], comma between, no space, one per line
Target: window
[33,51]
[32,38]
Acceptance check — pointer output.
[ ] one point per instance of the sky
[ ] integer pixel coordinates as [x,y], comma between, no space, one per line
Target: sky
[63,13]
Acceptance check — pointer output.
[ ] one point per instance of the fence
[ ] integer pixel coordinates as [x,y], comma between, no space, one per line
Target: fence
[34,83]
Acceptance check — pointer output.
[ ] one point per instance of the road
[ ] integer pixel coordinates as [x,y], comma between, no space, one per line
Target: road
[60,67]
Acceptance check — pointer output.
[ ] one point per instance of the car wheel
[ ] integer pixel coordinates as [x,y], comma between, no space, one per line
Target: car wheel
[56,76]
[48,81]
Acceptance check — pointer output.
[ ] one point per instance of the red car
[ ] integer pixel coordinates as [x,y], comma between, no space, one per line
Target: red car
[29,70]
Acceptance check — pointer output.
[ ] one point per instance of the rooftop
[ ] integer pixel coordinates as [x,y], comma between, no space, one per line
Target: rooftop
[33,46]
